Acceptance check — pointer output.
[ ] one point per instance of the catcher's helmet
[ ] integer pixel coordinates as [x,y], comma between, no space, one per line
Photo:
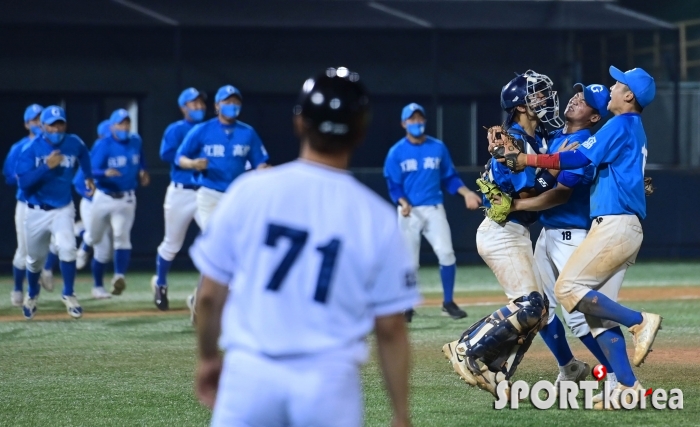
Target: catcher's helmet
[535,91]
[335,104]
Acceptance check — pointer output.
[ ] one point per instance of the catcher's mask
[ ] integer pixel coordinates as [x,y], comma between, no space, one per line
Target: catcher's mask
[535,91]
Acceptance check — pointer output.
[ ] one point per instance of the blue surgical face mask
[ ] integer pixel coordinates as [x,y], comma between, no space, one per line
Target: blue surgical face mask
[35,129]
[56,137]
[121,135]
[416,129]
[230,111]
[196,115]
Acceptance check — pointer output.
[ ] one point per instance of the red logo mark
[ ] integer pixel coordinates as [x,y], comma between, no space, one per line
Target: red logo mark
[648,392]
[599,372]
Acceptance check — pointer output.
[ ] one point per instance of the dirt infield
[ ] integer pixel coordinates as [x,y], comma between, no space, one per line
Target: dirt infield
[633,294]
[97,315]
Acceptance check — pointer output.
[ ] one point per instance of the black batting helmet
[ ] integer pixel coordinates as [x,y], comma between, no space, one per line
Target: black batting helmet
[335,105]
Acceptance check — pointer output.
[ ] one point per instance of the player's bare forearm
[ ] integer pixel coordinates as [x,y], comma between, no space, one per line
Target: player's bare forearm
[211,297]
[185,162]
[549,199]
[394,358]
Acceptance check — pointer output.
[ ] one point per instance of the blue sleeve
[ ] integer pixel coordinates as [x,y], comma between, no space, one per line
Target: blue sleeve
[257,154]
[98,159]
[84,159]
[190,145]
[523,180]
[569,179]
[569,160]
[8,169]
[605,145]
[27,173]
[169,144]
[448,175]
[392,168]
[395,191]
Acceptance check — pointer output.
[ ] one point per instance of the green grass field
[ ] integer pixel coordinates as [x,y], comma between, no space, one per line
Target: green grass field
[124,364]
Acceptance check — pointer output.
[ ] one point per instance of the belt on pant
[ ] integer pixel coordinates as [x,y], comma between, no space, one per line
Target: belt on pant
[120,194]
[42,206]
[186,186]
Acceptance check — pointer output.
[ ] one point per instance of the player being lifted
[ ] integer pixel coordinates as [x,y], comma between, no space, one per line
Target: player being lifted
[118,166]
[299,264]
[180,206]
[415,169]
[45,170]
[219,149]
[591,280]
[32,122]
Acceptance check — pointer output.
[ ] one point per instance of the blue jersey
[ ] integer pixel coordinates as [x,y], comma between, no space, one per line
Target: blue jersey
[44,186]
[619,151]
[8,169]
[575,213]
[226,147]
[124,156]
[79,185]
[513,183]
[172,139]
[419,170]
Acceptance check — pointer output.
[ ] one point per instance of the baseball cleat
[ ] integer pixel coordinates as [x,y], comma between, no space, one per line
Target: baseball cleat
[160,294]
[118,285]
[99,292]
[29,307]
[451,309]
[72,306]
[616,395]
[46,280]
[489,381]
[457,361]
[408,314]
[191,301]
[643,336]
[16,298]
[576,371]
[610,382]
[81,258]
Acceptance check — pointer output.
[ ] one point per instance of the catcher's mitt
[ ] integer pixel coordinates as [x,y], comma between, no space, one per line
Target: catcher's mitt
[648,187]
[497,212]
[503,146]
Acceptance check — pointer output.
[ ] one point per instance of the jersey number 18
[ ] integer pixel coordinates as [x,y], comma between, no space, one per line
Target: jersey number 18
[329,253]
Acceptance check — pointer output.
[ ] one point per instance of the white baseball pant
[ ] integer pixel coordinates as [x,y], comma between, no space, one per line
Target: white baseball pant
[207,201]
[600,263]
[553,249]
[40,225]
[431,222]
[255,390]
[179,209]
[115,212]
[507,250]
[102,251]
[20,259]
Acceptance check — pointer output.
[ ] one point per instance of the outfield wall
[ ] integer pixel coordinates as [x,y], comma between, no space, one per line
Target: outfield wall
[671,230]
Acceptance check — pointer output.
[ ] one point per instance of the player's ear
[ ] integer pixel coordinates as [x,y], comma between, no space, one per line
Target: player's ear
[403,125]
[595,118]
[300,127]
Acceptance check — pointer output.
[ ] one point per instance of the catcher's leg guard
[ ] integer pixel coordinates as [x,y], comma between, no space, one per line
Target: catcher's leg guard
[501,339]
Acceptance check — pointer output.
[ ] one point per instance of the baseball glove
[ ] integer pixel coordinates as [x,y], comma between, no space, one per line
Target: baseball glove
[503,146]
[498,211]
[648,187]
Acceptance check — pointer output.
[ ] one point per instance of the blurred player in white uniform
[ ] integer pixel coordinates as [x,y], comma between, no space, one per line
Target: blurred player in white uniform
[32,122]
[415,169]
[299,263]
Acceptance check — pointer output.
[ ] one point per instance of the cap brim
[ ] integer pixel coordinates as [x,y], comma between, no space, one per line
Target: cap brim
[617,74]
[52,120]
[578,87]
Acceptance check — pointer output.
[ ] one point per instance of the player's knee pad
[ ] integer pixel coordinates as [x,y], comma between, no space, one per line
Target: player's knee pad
[501,339]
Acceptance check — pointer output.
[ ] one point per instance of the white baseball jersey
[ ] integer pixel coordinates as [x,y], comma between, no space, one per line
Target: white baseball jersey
[311,257]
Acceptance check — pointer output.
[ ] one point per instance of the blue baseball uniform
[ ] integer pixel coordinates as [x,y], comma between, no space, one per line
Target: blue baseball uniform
[226,147]
[9,168]
[172,139]
[124,156]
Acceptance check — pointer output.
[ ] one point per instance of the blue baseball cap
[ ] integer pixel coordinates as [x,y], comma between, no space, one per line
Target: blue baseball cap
[226,92]
[596,96]
[32,111]
[118,116]
[52,114]
[409,110]
[640,83]
[103,129]
[187,95]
